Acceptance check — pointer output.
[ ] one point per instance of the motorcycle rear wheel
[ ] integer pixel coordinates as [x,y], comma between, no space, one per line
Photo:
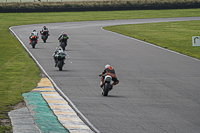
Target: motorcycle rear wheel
[63,45]
[33,44]
[44,39]
[60,65]
[106,89]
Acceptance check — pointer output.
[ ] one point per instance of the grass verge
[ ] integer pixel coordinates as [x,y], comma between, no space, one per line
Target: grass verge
[18,72]
[176,36]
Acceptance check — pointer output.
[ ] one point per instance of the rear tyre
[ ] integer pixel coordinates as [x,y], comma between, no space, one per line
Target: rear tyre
[106,89]
[44,39]
[63,45]
[60,65]
[33,44]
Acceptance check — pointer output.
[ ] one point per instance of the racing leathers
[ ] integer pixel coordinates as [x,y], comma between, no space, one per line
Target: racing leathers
[63,38]
[57,52]
[34,34]
[44,31]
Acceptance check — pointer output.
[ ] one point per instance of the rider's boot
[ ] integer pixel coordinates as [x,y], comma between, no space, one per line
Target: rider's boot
[111,86]
[30,41]
[102,79]
[56,62]
[101,85]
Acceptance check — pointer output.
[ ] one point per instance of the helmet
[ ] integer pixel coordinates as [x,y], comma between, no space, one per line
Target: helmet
[63,33]
[58,48]
[34,30]
[44,27]
[106,66]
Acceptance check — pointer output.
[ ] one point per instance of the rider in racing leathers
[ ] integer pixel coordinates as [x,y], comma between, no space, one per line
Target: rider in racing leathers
[34,33]
[58,51]
[109,70]
[63,37]
[44,30]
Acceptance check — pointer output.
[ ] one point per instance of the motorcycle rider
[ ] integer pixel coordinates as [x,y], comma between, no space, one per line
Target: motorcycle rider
[44,30]
[34,33]
[58,51]
[109,70]
[63,38]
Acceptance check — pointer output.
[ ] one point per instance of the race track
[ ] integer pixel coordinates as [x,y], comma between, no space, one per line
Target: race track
[158,90]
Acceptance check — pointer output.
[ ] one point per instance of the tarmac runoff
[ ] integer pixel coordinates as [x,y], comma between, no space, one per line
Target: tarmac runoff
[46,112]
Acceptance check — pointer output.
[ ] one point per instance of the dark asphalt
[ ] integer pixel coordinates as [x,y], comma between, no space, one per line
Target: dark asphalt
[158,90]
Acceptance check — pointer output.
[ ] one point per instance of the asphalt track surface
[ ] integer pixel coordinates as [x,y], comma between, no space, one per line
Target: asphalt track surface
[158,90]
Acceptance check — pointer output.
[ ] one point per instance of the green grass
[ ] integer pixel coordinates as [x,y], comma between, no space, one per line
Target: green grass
[176,36]
[18,72]
[10,19]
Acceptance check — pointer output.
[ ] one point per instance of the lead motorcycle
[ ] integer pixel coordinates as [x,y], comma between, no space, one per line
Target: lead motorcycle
[106,85]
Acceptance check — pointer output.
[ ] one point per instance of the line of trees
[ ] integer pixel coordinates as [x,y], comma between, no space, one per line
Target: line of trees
[89,6]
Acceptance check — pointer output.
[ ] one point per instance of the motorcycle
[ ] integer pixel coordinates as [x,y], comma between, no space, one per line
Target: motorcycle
[34,41]
[59,60]
[44,36]
[106,85]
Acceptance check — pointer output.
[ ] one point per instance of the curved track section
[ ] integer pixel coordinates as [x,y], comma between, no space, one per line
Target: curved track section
[158,89]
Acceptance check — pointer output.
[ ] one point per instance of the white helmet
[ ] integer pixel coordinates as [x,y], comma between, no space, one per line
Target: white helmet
[58,48]
[106,66]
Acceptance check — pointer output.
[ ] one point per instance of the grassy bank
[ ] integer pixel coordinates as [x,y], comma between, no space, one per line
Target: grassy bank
[18,72]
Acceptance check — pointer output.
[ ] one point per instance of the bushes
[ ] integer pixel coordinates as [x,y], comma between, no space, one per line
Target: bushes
[109,5]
